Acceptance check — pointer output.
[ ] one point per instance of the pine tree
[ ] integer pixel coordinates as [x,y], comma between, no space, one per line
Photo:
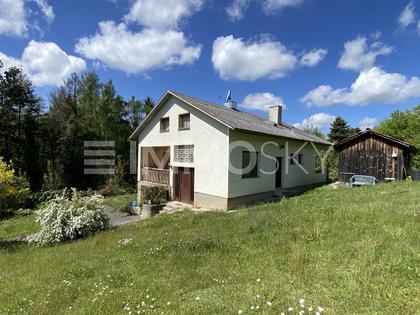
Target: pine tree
[339,130]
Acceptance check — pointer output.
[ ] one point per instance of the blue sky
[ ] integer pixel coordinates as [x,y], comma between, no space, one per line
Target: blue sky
[319,58]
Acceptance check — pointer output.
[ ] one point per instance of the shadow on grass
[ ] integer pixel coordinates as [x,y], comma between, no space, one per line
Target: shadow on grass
[11,246]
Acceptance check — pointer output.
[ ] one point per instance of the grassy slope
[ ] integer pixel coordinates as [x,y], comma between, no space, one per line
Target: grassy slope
[353,251]
[17,226]
[117,202]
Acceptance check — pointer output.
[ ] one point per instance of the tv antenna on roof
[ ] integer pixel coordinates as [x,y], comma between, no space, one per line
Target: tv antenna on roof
[228,102]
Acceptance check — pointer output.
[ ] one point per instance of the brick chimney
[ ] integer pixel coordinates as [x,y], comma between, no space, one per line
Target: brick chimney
[274,114]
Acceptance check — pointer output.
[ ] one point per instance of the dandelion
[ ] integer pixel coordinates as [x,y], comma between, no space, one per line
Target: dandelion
[269,303]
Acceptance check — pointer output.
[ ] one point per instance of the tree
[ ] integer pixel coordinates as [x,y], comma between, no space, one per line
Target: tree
[340,130]
[314,130]
[13,189]
[149,103]
[404,126]
[20,110]
[135,110]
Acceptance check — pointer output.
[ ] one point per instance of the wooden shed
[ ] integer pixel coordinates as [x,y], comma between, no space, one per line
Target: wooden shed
[372,153]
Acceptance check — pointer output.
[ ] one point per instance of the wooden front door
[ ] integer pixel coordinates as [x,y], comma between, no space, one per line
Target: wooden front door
[278,172]
[184,185]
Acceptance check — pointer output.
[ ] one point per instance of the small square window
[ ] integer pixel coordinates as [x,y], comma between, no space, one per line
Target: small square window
[292,159]
[249,164]
[164,124]
[184,122]
[184,153]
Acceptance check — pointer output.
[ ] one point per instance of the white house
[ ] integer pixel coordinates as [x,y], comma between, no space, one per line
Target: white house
[218,157]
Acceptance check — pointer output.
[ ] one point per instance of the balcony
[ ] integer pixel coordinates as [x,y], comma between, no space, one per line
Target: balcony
[155,175]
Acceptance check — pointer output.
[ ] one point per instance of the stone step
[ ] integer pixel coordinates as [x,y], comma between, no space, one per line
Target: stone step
[172,206]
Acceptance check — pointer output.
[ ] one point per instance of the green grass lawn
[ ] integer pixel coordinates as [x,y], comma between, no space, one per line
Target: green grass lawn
[117,202]
[18,226]
[351,251]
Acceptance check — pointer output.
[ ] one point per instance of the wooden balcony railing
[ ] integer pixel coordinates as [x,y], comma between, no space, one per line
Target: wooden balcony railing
[155,175]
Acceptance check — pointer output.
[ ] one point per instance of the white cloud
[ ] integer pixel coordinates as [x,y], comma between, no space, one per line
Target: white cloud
[237,59]
[119,48]
[274,6]
[162,14]
[314,57]
[233,58]
[372,86]
[235,10]
[319,120]
[407,16]
[14,16]
[46,10]
[368,122]
[262,101]
[358,55]
[418,27]
[45,63]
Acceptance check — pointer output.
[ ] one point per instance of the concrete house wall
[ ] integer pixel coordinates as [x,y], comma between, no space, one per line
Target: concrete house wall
[244,190]
[210,140]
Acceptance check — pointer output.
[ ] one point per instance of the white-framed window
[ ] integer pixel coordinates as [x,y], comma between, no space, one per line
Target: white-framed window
[184,153]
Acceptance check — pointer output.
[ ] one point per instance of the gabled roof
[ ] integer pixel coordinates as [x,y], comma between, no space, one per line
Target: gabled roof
[235,120]
[369,132]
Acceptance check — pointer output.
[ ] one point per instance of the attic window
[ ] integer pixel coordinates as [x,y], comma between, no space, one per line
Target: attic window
[184,122]
[164,124]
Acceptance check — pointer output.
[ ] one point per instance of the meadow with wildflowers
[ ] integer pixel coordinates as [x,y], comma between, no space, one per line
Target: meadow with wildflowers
[329,251]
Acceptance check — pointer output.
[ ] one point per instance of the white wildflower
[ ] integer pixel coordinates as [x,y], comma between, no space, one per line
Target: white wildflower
[240,312]
[310,308]
[258,280]
[290,309]
[269,303]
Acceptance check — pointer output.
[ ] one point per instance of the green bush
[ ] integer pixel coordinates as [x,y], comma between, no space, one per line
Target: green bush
[127,209]
[154,194]
[36,198]
[13,189]
[64,218]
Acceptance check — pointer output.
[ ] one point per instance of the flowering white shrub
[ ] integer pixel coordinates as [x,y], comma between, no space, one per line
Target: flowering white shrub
[68,218]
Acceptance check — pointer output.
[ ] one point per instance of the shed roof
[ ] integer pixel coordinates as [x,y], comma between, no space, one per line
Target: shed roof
[235,120]
[369,132]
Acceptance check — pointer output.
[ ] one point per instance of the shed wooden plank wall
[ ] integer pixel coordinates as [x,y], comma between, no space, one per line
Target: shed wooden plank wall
[374,157]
